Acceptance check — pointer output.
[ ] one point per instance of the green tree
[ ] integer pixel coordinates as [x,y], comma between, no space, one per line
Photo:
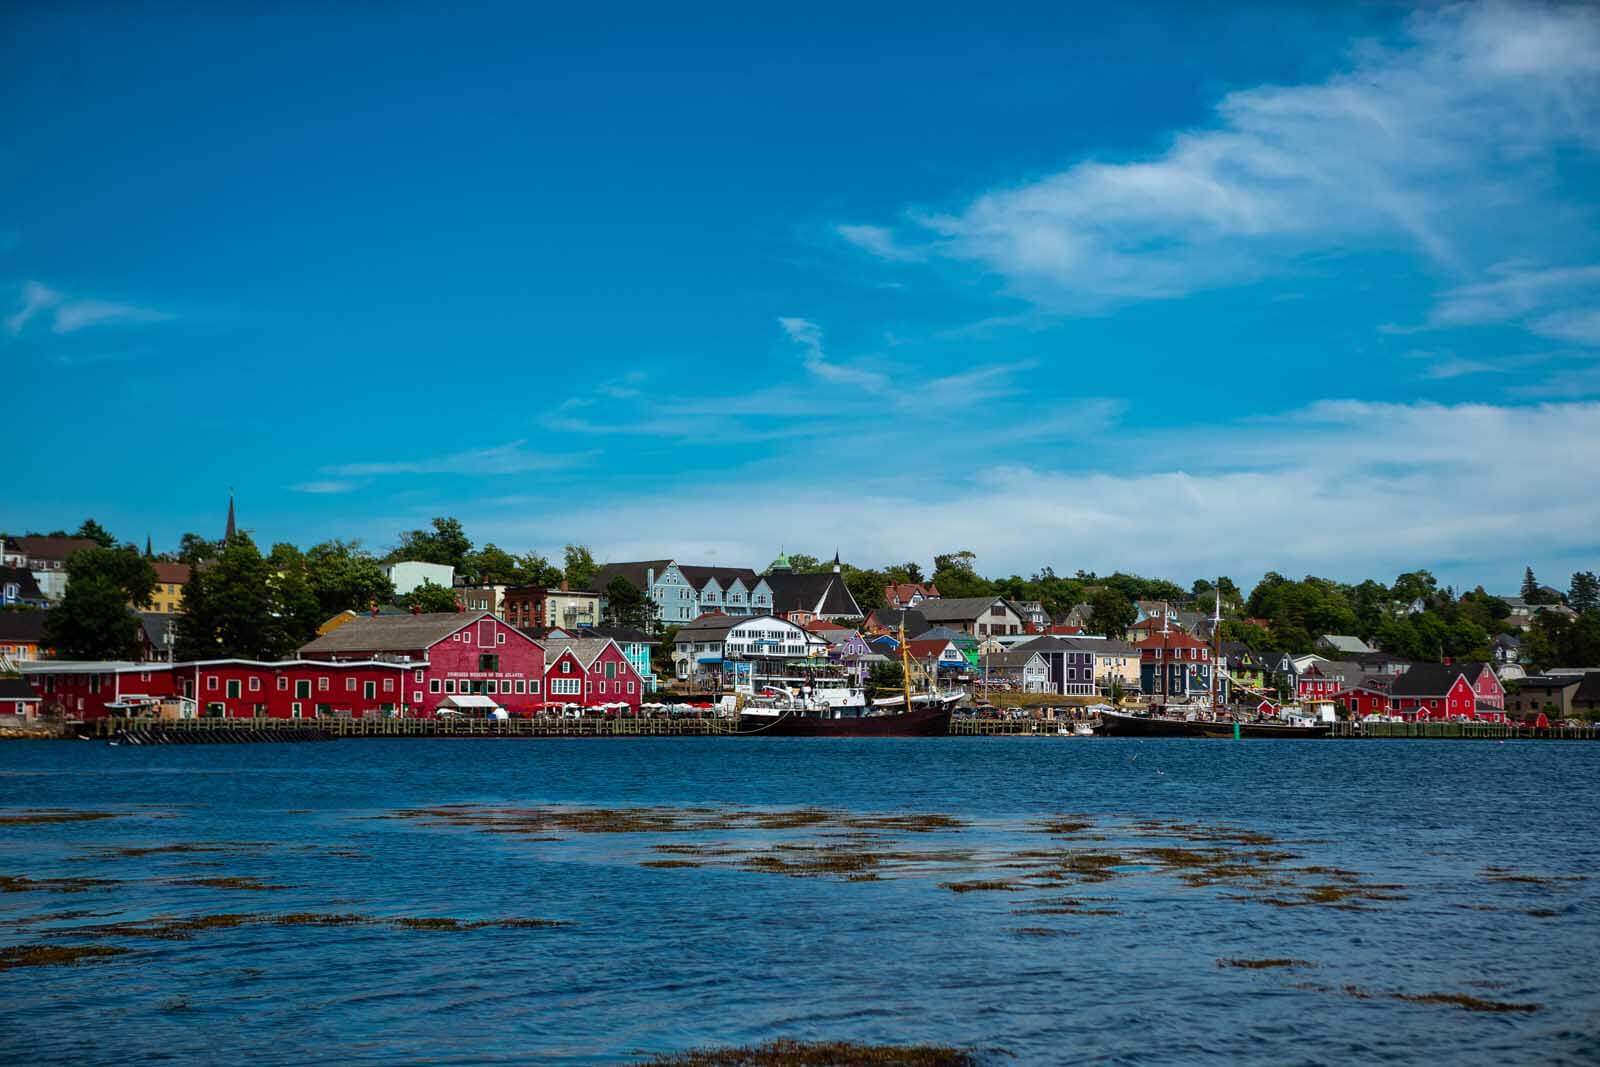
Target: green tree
[580,566]
[491,565]
[96,533]
[95,618]
[886,680]
[1530,586]
[1584,594]
[904,573]
[446,544]
[343,577]
[230,609]
[956,576]
[193,549]
[626,605]
[867,587]
[294,601]
[1110,612]
[534,569]
[429,598]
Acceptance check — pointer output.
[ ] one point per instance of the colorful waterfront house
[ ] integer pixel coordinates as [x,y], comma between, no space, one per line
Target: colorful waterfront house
[297,689]
[1448,691]
[746,654]
[735,591]
[1069,664]
[22,634]
[637,647]
[449,654]
[1245,668]
[968,644]
[851,651]
[938,656]
[19,588]
[1372,694]
[1115,662]
[673,601]
[18,699]
[83,690]
[1174,665]
[1021,669]
[537,605]
[591,671]
[1322,680]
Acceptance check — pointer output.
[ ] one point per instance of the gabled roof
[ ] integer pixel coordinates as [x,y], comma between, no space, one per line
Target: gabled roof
[1171,639]
[1017,657]
[584,649]
[821,594]
[714,626]
[725,576]
[1431,679]
[1347,643]
[635,572]
[172,573]
[934,647]
[23,579]
[392,633]
[52,548]
[622,635]
[916,622]
[904,591]
[23,625]
[156,624]
[959,609]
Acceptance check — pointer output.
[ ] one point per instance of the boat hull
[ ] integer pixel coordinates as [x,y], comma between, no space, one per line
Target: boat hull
[919,722]
[1117,724]
[1259,730]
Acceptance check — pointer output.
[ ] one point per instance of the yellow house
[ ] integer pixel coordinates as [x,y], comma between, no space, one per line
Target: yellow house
[170,580]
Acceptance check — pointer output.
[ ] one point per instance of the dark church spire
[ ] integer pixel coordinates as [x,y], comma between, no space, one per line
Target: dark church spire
[228,537]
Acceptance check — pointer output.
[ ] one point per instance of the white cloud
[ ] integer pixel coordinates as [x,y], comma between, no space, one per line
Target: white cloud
[1346,489]
[326,487]
[1428,146]
[35,298]
[808,335]
[510,458]
[1579,327]
[68,314]
[878,240]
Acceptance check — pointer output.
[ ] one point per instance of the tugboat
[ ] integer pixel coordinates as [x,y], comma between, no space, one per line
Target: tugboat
[845,712]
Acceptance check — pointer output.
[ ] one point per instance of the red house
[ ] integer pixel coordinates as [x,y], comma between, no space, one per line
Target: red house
[1442,691]
[294,689]
[1370,696]
[590,671]
[82,690]
[446,655]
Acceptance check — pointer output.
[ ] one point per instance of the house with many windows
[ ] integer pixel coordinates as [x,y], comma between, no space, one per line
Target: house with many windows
[1069,664]
[590,671]
[45,558]
[448,654]
[723,652]
[1174,666]
[737,591]
[980,616]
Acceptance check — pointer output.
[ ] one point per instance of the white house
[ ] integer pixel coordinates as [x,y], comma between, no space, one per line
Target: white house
[408,575]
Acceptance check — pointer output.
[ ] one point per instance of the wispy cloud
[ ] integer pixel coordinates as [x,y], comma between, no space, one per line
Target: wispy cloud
[1356,489]
[71,314]
[509,458]
[1426,146]
[808,335]
[326,487]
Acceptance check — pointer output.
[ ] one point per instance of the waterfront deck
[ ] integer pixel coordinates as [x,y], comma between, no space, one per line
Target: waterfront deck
[225,731]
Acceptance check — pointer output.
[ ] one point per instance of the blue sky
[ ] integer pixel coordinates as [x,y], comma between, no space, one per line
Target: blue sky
[1315,290]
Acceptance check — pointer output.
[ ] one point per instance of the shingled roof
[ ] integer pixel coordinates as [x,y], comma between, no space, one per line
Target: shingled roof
[824,594]
[1433,679]
[635,572]
[586,649]
[392,633]
[957,609]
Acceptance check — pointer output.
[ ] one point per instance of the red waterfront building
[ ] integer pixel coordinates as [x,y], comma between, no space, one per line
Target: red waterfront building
[590,671]
[83,689]
[445,655]
[1445,691]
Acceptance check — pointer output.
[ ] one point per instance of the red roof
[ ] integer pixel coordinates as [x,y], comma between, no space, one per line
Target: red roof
[1065,630]
[1174,639]
[172,573]
[931,647]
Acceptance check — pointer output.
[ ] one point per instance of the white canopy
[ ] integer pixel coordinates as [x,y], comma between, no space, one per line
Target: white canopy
[469,700]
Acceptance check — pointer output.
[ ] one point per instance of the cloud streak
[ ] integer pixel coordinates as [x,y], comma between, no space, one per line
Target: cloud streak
[69,314]
[509,458]
[1426,146]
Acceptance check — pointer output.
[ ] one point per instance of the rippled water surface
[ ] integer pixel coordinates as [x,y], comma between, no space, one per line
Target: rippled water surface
[1080,903]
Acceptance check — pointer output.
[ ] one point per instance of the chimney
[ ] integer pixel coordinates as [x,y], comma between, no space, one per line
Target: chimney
[374,607]
[564,588]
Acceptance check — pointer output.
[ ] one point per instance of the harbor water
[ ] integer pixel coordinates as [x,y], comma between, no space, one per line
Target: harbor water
[605,901]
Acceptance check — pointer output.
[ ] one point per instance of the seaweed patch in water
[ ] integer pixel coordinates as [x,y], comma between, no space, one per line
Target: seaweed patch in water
[982,886]
[1258,965]
[53,955]
[670,864]
[819,1054]
[252,884]
[1462,1000]
[43,817]
[22,884]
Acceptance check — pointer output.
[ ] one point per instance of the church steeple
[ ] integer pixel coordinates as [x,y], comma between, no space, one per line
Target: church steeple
[836,563]
[232,529]
[149,552]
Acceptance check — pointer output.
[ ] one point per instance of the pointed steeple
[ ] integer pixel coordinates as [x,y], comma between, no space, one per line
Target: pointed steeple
[148,548]
[232,529]
[836,564]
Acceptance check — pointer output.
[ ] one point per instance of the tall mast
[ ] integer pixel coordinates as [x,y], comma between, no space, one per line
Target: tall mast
[1164,634]
[1216,646]
[905,662]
